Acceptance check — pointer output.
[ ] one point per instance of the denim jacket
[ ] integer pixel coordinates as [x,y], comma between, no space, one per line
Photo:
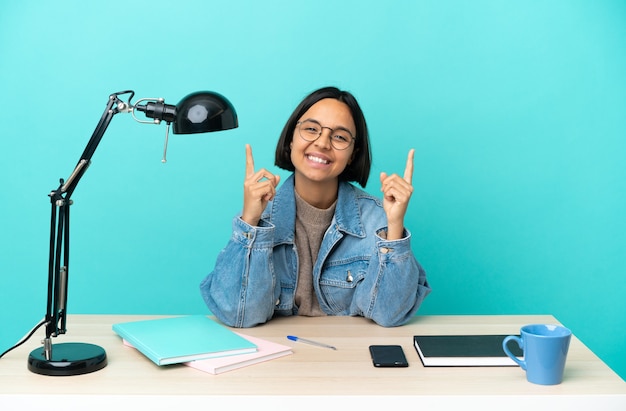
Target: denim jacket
[357,272]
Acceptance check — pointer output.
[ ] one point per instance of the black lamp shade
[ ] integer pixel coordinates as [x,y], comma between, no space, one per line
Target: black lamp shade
[204,111]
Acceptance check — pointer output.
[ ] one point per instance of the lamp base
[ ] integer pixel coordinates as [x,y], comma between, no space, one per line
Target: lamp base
[68,359]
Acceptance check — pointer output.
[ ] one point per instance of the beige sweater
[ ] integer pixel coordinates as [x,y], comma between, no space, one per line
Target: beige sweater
[311,224]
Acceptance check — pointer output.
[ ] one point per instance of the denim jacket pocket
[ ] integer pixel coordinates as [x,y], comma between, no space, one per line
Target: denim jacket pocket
[338,284]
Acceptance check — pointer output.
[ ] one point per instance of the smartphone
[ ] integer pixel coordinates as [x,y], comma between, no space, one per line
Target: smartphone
[388,356]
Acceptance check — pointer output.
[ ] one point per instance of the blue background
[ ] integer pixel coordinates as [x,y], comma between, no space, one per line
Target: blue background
[516,110]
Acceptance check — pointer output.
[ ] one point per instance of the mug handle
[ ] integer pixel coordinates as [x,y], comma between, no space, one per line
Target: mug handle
[520,343]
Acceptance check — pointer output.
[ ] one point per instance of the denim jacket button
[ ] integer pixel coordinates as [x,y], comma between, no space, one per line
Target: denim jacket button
[278,301]
[384,250]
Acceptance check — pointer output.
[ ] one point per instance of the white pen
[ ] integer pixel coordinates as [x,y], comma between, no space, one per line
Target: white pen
[304,340]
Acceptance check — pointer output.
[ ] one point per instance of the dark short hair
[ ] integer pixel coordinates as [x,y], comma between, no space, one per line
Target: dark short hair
[359,168]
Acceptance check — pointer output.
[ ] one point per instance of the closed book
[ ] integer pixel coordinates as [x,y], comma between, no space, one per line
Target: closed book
[266,350]
[175,340]
[464,350]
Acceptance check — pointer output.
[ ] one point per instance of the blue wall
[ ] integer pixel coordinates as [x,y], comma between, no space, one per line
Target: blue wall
[516,111]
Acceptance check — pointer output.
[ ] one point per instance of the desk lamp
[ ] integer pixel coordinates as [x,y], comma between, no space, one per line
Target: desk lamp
[197,113]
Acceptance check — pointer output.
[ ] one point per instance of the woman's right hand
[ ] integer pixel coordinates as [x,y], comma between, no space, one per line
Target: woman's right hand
[259,188]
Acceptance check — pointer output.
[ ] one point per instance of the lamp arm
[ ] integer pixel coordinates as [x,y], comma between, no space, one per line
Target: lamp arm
[58,264]
[114,106]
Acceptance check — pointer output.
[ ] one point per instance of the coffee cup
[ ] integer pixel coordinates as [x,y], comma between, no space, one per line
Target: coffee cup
[545,351]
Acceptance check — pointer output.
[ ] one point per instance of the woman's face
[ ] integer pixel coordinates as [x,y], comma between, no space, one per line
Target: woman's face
[318,161]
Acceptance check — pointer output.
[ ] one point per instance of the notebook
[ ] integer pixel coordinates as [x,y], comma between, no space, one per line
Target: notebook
[175,340]
[464,350]
[266,350]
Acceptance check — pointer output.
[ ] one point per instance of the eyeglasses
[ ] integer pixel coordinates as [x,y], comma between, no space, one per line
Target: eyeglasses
[311,130]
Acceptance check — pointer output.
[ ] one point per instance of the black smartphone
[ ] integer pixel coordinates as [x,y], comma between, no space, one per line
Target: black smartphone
[388,356]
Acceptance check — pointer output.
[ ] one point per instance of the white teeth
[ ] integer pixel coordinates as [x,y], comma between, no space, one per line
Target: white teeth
[318,160]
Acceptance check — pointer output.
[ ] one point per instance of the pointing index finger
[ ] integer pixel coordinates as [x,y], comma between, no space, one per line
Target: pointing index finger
[249,161]
[408,171]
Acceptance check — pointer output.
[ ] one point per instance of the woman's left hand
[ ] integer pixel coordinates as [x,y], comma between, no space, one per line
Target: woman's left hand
[396,195]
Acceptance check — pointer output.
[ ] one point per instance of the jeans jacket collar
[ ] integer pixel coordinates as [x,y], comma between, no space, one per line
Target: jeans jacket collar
[281,212]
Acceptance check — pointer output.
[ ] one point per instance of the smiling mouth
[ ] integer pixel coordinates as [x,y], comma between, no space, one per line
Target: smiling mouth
[317,159]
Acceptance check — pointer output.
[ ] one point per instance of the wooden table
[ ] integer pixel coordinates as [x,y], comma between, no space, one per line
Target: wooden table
[312,376]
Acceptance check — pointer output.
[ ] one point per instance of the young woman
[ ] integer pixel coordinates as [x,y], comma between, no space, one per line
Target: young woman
[318,245]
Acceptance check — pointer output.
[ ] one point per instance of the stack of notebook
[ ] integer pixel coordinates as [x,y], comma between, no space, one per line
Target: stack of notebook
[197,341]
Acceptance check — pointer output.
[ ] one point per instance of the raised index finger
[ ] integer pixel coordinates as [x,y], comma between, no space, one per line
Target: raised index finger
[249,161]
[408,171]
